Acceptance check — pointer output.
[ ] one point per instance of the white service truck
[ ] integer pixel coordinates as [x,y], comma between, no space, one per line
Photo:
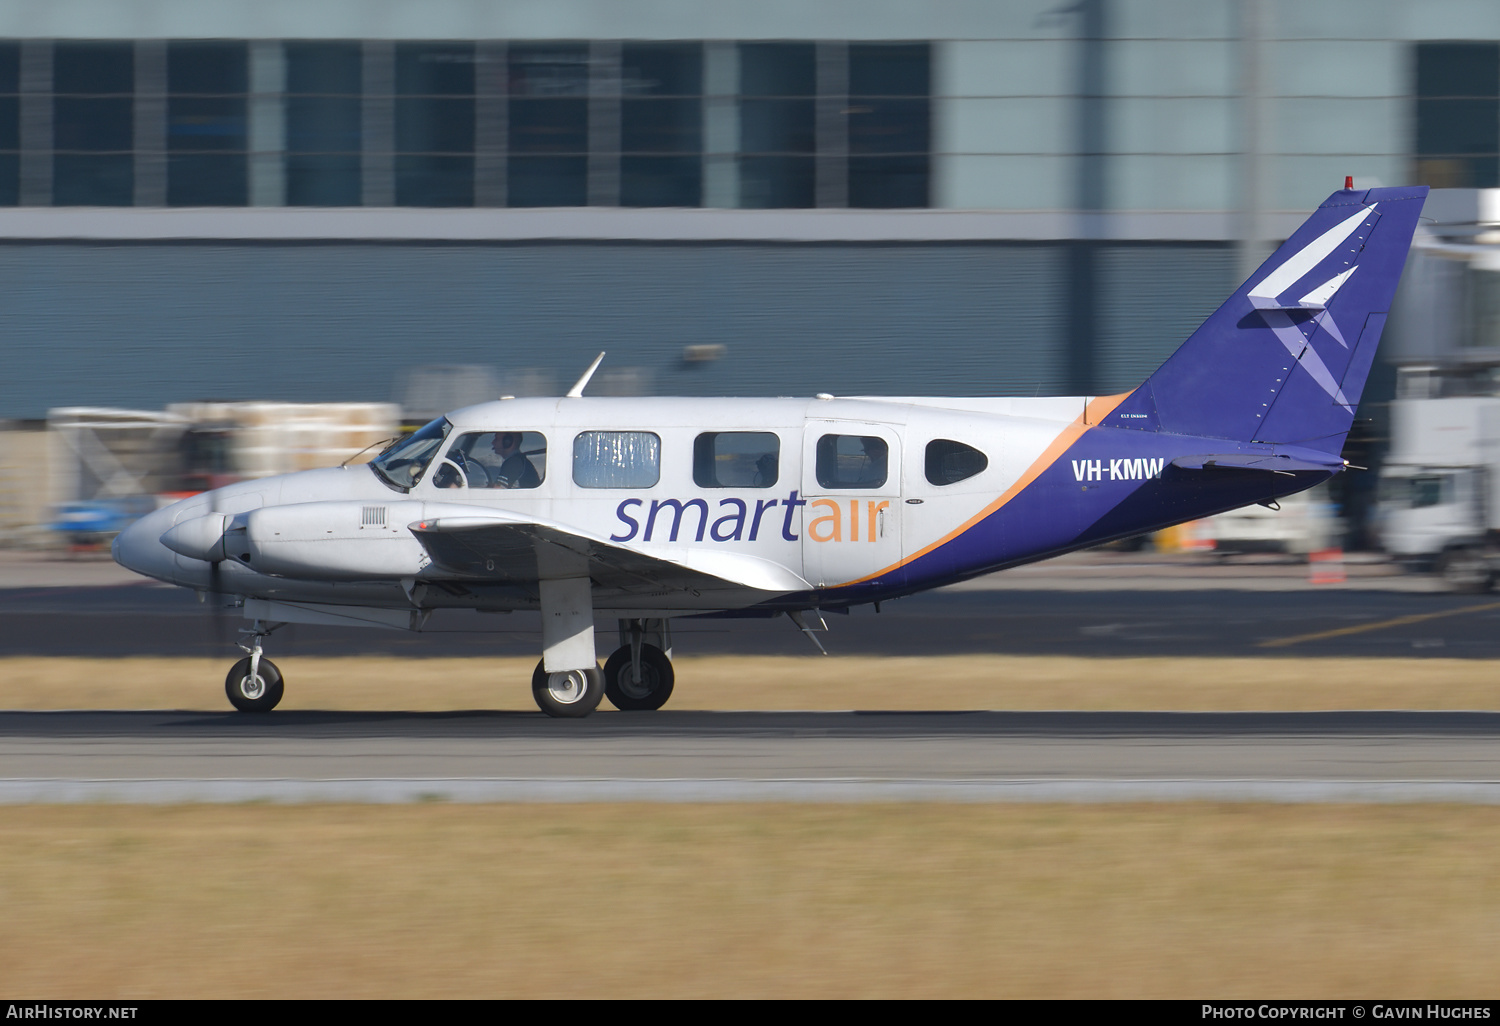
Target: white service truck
[1439,506]
[1297,525]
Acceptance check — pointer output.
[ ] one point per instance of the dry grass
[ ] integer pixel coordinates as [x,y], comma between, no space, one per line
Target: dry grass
[772,682]
[750,900]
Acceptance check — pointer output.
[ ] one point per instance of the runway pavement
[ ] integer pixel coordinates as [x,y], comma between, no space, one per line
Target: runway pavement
[665,756]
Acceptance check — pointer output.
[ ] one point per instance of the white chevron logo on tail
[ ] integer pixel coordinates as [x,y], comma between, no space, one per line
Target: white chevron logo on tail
[1264,296]
[1319,297]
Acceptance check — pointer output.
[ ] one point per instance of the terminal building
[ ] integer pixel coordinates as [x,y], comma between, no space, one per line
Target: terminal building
[326,201]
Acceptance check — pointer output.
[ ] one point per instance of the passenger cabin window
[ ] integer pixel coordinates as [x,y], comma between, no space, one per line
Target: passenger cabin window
[403,463]
[494,459]
[736,459]
[616,459]
[949,462]
[851,461]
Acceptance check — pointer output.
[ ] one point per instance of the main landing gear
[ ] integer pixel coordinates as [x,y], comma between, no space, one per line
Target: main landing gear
[637,677]
[254,684]
[567,694]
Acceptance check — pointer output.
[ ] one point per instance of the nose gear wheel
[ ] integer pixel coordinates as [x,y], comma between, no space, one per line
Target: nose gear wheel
[256,692]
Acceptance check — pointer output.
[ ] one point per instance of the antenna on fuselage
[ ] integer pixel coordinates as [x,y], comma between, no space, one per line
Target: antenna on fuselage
[576,392]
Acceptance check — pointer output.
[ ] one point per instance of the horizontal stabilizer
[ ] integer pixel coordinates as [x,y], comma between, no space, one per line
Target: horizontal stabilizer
[1260,461]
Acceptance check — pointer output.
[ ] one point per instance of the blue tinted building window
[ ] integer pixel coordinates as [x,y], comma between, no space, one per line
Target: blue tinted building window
[1458,115]
[661,125]
[548,119]
[550,124]
[10,124]
[778,97]
[890,124]
[324,133]
[93,125]
[435,124]
[207,84]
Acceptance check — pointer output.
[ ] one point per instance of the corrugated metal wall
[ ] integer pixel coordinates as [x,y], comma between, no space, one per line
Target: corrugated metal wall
[146,324]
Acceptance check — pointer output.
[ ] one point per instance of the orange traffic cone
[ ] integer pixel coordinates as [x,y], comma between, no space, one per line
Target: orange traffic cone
[1326,566]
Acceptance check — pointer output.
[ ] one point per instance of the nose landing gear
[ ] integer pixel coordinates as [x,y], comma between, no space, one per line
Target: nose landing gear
[254,684]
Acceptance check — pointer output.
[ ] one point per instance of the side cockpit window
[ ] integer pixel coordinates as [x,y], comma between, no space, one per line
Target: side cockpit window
[852,461]
[616,459]
[736,459]
[949,462]
[494,459]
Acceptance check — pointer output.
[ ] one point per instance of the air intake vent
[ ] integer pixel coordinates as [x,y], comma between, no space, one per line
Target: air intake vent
[372,516]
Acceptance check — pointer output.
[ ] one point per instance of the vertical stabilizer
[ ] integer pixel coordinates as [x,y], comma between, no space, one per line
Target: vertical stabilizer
[1286,358]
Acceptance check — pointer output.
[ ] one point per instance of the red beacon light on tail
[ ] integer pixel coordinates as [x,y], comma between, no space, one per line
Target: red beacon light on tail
[1348,181]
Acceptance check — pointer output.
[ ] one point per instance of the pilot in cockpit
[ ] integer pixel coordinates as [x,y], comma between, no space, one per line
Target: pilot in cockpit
[468,464]
[515,470]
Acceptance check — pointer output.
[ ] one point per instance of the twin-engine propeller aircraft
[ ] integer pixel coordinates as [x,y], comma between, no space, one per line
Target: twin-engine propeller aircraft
[642,510]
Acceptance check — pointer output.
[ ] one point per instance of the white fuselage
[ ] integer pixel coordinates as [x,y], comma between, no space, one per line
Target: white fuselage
[340,536]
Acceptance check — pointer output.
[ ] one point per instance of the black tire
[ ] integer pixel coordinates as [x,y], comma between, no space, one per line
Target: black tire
[1465,571]
[261,698]
[573,700]
[655,687]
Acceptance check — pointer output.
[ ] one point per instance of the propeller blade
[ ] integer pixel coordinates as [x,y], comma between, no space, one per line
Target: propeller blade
[216,576]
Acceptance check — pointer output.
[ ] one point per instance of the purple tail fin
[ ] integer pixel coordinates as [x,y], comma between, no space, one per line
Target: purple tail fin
[1286,358]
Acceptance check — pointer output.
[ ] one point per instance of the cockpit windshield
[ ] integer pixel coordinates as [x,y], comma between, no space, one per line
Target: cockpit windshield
[403,463]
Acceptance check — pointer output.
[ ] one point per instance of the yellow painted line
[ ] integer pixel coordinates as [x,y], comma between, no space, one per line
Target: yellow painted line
[1399,621]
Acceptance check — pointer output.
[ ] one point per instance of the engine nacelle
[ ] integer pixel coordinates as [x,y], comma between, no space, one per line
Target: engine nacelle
[348,540]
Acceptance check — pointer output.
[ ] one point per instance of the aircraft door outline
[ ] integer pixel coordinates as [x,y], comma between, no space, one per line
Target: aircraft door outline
[852,484]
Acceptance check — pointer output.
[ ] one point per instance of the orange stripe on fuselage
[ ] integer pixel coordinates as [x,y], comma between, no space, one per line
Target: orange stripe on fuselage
[1093,413]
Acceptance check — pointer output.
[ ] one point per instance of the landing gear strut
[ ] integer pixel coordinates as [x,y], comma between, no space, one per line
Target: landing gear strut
[567,681]
[639,675]
[254,684]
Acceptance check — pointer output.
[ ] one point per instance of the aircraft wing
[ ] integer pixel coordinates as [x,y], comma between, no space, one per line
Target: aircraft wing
[512,551]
